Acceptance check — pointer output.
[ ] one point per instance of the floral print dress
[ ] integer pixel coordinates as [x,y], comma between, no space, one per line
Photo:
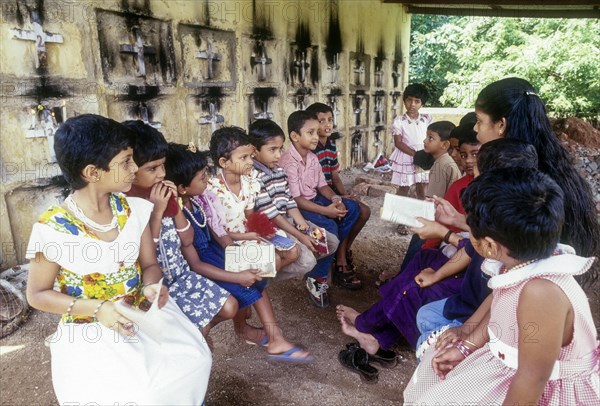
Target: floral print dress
[198,297]
[92,364]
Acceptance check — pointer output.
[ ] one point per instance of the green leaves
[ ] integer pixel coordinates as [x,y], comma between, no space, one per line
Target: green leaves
[457,56]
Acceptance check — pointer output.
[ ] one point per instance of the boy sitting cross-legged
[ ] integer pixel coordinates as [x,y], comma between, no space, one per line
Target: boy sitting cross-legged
[318,203]
[277,203]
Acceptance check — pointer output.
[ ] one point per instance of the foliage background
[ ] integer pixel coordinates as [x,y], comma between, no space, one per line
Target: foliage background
[455,57]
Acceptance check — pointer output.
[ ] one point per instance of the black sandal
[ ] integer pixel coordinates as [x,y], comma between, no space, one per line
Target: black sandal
[347,280]
[385,358]
[357,360]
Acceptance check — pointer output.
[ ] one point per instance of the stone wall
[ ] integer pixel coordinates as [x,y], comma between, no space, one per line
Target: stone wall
[186,67]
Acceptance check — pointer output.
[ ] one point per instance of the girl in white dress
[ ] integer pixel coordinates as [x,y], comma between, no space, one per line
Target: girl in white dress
[98,247]
[540,346]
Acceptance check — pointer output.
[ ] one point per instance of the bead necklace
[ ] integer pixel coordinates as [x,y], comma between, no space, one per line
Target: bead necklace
[201,209]
[523,265]
[237,197]
[77,212]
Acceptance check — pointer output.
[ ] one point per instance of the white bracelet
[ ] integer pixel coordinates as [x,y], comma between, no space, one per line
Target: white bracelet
[336,197]
[181,230]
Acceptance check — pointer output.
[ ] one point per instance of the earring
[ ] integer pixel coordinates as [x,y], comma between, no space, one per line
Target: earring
[489,253]
[184,192]
[501,132]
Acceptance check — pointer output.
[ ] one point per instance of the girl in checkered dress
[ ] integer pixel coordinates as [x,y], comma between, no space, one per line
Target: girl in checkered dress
[541,344]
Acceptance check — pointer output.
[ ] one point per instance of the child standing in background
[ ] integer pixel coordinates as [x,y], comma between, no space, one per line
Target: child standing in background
[409,131]
[444,170]
[327,153]
[202,301]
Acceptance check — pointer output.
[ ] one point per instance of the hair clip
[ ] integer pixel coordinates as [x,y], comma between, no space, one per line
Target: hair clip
[192,147]
[530,93]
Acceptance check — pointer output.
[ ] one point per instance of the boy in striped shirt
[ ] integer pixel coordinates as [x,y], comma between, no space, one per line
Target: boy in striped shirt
[276,202]
[327,153]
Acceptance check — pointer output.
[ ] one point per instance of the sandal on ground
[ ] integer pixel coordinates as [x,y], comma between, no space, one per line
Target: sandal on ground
[357,360]
[287,357]
[347,280]
[403,230]
[350,260]
[264,342]
[385,358]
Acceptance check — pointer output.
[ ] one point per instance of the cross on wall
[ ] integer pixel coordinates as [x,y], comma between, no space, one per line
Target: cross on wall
[39,36]
[261,59]
[138,49]
[213,118]
[210,57]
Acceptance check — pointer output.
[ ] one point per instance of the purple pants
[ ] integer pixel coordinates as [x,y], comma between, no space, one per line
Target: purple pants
[395,314]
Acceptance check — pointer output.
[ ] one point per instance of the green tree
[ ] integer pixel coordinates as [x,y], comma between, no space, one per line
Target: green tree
[559,57]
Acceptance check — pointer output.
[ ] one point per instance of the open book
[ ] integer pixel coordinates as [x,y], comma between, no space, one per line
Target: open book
[251,255]
[404,210]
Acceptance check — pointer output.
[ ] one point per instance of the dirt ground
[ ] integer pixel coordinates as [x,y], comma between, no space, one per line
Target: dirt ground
[241,374]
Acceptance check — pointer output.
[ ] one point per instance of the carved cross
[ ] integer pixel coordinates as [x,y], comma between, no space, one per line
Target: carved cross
[301,65]
[378,109]
[139,49]
[300,102]
[356,152]
[334,68]
[213,118]
[39,36]
[210,57]
[395,74]
[359,71]
[357,108]
[263,60]
[336,112]
[379,77]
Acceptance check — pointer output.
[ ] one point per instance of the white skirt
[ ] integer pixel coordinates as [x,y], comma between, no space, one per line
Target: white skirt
[94,365]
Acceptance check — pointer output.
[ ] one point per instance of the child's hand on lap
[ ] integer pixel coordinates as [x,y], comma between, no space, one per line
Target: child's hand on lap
[333,211]
[446,360]
[248,277]
[426,277]
[309,242]
[449,337]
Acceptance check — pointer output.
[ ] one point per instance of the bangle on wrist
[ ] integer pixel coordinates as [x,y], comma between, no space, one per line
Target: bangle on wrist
[472,344]
[181,230]
[98,308]
[447,237]
[464,350]
[336,197]
[71,306]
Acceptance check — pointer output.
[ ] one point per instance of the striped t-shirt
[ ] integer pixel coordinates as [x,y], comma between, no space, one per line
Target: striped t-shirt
[328,158]
[274,197]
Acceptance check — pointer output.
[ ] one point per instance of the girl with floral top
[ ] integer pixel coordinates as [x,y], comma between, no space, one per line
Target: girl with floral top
[232,152]
[98,246]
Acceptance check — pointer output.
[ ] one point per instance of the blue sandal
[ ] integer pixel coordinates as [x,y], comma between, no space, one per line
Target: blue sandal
[287,357]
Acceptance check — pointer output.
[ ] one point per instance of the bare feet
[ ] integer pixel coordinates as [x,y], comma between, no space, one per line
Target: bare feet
[347,313]
[366,341]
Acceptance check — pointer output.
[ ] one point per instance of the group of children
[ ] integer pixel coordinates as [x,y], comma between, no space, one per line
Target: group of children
[161,220]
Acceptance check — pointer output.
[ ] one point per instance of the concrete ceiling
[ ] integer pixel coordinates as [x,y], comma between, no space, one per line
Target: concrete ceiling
[505,8]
